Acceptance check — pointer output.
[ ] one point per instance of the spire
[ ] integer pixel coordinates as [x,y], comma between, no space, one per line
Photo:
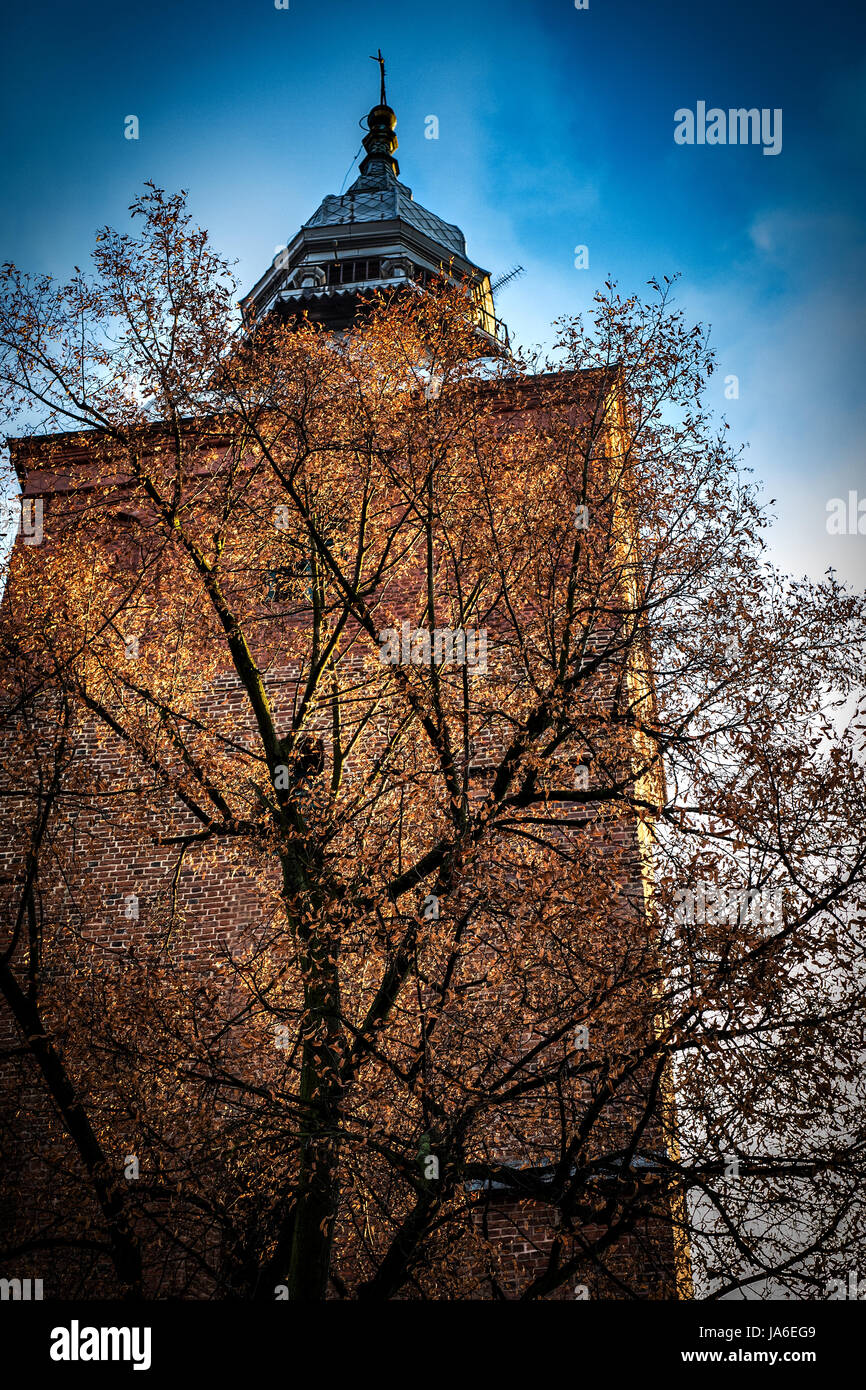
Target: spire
[377,58]
[372,237]
[380,142]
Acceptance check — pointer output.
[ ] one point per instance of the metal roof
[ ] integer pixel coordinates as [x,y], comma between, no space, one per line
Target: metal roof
[382,198]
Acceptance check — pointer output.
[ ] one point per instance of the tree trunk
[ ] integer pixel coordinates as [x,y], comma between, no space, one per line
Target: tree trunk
[320,1093]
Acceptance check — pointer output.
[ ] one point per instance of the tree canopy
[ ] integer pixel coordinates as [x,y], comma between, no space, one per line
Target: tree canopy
[428,808]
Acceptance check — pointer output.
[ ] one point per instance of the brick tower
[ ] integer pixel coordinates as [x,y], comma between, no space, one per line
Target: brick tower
[217,900]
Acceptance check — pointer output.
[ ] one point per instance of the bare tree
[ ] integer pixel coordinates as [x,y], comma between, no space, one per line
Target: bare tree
[433,869]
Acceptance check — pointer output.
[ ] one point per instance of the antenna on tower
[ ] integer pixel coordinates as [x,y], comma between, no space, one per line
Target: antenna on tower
[505,279]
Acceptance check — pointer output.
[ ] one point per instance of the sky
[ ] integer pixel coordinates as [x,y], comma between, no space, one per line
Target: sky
[555,131]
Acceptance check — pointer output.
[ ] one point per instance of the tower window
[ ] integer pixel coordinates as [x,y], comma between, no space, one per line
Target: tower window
[353,272]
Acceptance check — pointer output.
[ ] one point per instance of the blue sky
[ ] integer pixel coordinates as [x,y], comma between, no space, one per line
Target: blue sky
[555,130]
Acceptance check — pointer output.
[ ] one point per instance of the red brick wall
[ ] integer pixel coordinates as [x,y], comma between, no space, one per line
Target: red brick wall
[218,904]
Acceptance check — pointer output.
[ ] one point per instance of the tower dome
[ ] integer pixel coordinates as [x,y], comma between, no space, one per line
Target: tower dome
[371,238]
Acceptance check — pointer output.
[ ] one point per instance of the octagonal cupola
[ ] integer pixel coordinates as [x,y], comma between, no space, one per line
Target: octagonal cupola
[372,237]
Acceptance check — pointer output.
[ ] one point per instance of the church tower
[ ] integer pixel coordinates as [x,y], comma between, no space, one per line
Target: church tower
[371,239]
[243,902]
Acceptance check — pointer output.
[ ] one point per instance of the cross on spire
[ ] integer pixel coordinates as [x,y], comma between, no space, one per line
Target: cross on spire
[377,58]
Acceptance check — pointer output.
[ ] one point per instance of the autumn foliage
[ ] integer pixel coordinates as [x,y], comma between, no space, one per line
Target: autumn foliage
[340,965]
